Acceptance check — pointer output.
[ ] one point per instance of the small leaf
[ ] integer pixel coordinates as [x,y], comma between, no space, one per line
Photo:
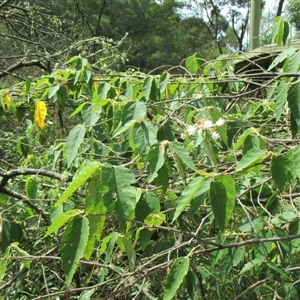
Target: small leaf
[194,63]
[294,102]
[163,81]
[74,140]
[250,158]
[61,220]
[72,246]
[78,181]
[40,113]
[53,90]
[175,277]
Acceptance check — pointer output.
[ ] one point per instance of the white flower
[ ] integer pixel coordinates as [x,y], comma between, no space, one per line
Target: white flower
[220,122]
[200,130]
[207,124]
[191,129]
[215,135]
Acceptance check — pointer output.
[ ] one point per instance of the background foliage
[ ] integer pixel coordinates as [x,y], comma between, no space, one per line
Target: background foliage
[124,185]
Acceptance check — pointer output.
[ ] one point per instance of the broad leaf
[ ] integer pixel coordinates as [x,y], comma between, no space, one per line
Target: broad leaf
[281,57]
[250,158]
[62,220]
[175,277]
[195,188]
[155,159]
[74,140]
[294,102]
[151,89]
[282,170]
[32,187]
[177,149]
[280,98]
[72,246]
[222,198]
[88,170]
[251,264]
[118,181]
[144,136]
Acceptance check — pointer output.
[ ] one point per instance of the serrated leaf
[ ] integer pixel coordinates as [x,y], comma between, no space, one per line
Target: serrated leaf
[88,170]
[195,188]
[177,149]
[294,156]
[150,88]
[163,81]
[281,57]
[294,102]
[40,113]
[251,157]
[222,198]
[74,140]
[61,220]
[251,264]
[144,136]
[31,187]
[119,191]
[155,159]
[282,169]
[72,246]
[133,111]
[280,98]
[175,277]
[149,203]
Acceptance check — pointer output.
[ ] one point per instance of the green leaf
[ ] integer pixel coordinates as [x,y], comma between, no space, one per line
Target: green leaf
[294,101]
[251,157]
[256,262]
[155,159]
[166,132]
[74,140]
[279,270]
[131,255]
[149,203]
[3,263]
[282,169]
[281,57]
[21,253]
[294,156]
[222,198]
[32,187]
[103,90]
[239,143]
[62,220]
[88,170]
[280,98]
[177,149]
[163,81]
[72,246]
[90,115]
[86,295]
[144,136]
[133,111]
[195,188]
[280,30]
[194,63]
[175,277]
[151,89]
[53,90]
[118,181]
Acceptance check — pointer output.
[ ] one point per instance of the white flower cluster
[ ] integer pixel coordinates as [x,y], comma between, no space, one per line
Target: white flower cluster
[206,125]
